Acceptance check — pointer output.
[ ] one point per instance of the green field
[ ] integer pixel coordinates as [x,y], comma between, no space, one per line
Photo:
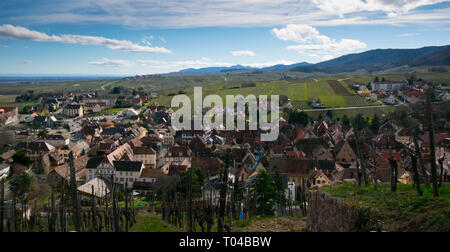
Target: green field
[299,92]
[146,222]
[10,101]
[114,110]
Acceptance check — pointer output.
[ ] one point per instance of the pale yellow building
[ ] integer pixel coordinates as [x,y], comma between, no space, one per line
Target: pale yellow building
[146,155]
[73,110]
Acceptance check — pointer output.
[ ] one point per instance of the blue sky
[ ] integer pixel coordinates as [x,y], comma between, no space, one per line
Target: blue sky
[128,37]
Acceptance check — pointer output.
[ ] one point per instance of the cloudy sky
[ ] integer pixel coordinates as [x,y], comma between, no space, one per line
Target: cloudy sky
[128,37]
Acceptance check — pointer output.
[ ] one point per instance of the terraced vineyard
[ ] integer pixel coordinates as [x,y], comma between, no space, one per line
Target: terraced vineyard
[337,87]
[330,93]
[355,100]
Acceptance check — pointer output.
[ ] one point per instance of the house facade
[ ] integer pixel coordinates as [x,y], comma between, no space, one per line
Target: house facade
[346,154]
[128,172]
[73,110]
[145,155]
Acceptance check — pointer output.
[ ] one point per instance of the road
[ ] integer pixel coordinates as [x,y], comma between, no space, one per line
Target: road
[107,84]
[349,108]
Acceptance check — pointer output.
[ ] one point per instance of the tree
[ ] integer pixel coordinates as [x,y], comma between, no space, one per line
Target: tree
[375,124]
[194,180]
[21,158]
[299,118]
[345,120]
[394,174]
[330,114]
[411,78]
[238,195]
[278,184]
[2,199]
[20,187]
[360,123]
[223,191]
[416,174]
[74,192]
[42,133]
[432,150]
[116,90]
[265,194]
[377,79]
[25,110]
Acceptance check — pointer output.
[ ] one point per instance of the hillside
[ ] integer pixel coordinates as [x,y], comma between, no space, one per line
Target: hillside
[239,68]
[401,211]
[382,59]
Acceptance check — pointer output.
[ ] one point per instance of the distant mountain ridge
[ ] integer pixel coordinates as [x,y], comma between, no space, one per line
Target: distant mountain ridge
[241,68]
[370,61]
[382,59]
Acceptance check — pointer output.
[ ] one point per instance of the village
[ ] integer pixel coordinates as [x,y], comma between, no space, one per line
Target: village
[69,143]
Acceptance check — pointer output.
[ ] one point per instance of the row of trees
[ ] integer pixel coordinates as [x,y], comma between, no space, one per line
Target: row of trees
[63,210]
[195,199]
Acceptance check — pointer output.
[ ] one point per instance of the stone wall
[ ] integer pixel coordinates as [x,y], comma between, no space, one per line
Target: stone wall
[330,214]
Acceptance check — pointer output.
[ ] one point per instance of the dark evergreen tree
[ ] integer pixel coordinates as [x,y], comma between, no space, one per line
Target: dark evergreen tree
[375,124]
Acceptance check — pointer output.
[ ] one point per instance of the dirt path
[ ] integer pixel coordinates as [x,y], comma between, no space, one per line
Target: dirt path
[288,224]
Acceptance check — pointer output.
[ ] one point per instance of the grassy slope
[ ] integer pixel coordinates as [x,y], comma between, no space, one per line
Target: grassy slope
[403,210]
[274,224]
[146,222]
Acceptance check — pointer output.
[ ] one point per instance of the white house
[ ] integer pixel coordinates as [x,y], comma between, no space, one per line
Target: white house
[130,113]
[445,96]
[390,100]
[56,140]
[389,87]
[4,171]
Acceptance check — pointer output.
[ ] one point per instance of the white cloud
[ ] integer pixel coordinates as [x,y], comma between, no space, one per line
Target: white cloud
[334,47]
[18,32]
[391,7]
[207,13]
[4,46]
[314,43]
[404,35]
[300,33]
[243,53]
[105,62]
